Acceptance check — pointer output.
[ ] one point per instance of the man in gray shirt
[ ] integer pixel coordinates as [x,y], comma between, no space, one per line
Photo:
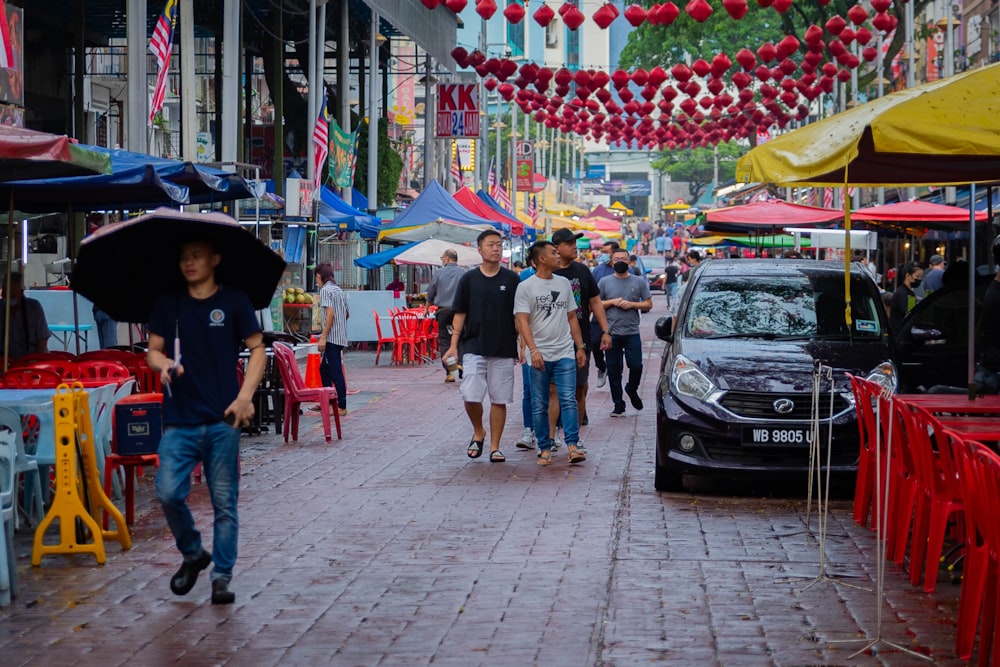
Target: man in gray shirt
[441,293]
[624,296]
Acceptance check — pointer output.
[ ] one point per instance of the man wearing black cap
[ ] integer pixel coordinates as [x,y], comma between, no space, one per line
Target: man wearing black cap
[588,300]
[934,276]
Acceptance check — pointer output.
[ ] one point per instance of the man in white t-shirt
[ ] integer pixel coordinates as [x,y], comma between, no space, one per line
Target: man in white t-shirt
[545,313]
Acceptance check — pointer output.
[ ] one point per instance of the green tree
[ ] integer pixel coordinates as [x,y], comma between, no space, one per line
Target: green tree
[390,165]
[696,166]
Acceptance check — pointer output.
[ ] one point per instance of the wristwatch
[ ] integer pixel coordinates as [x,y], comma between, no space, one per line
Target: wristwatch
[581,346]
[606,332]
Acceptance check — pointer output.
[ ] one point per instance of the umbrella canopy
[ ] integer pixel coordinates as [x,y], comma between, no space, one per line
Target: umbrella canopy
[443,230]
[768,214]
[29,155]
[338,212]
[123,267]
[917,211]
[430,251]
[939,133]
[379,259]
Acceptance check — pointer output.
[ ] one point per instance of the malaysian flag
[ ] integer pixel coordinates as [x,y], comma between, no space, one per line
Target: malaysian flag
[491,182]
[321,141]
[160,45]
[533,211]
[6,46]
[503,198]
[456,170]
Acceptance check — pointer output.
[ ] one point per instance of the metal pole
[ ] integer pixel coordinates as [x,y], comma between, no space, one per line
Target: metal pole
[428,118]
[229,129]
[138,95]
[949,42]
[189,90]
[373,116]
[344,82]
[279,103]
[311,103]
[972,286]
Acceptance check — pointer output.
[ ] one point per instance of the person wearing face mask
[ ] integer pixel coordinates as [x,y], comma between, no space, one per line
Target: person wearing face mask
[904,298]
[602,270]
[29,332]
[624,296]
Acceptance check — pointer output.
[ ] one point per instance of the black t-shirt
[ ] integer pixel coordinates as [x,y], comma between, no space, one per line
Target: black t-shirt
[488,304]
[211,331]
[990,338]
[584,289]
[903,300]
[671,272]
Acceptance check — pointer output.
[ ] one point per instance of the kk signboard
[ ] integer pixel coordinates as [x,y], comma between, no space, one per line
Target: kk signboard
[458,110]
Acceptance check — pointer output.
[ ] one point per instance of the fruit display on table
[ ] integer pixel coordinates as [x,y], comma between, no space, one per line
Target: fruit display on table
[296,295]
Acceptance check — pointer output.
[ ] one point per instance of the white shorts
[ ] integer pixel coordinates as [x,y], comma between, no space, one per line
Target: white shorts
[487,375]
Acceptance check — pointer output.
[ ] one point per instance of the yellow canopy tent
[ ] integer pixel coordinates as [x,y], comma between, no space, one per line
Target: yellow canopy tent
[940,133]
[568,223]
[618,206]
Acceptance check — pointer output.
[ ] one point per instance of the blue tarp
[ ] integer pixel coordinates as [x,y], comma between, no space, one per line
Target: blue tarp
[335,211]
[434,203]
[530,233]
[382,258]
[136,181]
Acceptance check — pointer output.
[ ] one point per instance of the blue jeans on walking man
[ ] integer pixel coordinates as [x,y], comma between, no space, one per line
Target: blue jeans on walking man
[331,372]
[562,374]
[217,447]
[628,346]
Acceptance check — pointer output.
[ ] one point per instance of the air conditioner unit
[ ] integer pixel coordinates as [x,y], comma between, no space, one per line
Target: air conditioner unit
[552,34]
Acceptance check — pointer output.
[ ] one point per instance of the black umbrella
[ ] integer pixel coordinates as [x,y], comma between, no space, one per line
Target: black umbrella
[124,267]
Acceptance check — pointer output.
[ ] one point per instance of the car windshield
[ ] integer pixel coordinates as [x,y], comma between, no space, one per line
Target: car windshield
[786,306]
[653,262]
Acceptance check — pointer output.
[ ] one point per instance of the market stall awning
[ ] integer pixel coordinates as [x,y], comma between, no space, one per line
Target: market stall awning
[442,230]
[344,216]
[429,253]
[435,203]
[768,214]
[918,211]
[29,155]
[468,199]
[379,259]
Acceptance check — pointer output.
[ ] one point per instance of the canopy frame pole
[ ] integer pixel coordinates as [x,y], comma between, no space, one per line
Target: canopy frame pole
[6,296]
[970,371]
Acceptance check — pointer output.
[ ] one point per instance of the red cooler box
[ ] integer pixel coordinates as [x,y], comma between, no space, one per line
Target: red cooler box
[138,424]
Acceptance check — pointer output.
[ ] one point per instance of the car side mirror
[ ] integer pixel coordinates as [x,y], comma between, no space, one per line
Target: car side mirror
[926,333]
[664,329]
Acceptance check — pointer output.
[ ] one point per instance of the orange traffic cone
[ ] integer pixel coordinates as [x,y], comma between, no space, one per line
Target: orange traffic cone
[312,378]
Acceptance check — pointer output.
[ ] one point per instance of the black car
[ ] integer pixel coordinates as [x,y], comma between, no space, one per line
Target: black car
[736,379]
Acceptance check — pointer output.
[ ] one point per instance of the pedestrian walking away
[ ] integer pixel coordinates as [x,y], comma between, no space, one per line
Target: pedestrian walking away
[483,325]
[624,296]
[548,325]
[194,344]
[333,339]
[441,293]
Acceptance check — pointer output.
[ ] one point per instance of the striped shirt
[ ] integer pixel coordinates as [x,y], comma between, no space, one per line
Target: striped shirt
[331,296]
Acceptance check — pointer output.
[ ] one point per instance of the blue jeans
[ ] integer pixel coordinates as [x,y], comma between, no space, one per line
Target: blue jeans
[561,373]
[107,329]
[526,406]
[331,372]
[217,447]
[630,346]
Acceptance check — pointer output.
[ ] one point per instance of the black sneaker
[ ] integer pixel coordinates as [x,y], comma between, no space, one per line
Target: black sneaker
[619,411]
[633,396]
[221,593]
[186,577]
[586,420]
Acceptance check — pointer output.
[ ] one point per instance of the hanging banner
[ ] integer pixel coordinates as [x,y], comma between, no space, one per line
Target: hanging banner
[457,110]
[342,155]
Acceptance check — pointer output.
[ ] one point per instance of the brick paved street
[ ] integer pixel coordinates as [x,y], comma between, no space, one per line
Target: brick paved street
[391,547]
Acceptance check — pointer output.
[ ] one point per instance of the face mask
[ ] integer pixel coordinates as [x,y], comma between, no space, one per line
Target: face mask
[621,267]
[603,258]
[915,283]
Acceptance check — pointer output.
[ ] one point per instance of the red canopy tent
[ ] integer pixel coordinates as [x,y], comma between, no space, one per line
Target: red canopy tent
[467,198]
[767,215]
[917,211]
[601,212]
[603,224]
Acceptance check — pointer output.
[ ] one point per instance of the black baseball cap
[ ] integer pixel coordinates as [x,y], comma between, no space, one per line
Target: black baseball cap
[564,236]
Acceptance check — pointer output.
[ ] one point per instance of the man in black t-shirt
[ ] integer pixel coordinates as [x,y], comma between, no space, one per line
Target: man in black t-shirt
[588,300]
[484,323]
[989,353]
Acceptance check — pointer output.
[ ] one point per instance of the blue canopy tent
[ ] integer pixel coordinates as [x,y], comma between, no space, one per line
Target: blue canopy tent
[434,203]
[530,233]
[334,211]
[382,258]
[135,181]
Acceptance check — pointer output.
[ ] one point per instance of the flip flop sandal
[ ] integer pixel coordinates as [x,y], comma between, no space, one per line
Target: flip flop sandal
[545,458]
[576,455]
[475,449]
[496,456]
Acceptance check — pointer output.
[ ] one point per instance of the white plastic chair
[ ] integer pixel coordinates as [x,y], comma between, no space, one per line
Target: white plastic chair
[8,494]
[26,465]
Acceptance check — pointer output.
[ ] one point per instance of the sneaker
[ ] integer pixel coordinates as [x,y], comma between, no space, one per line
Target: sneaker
[184,580]
[586,419]
[557,441]
[619,411]
[527,439]
[221,593]
[633,396]
[602,378]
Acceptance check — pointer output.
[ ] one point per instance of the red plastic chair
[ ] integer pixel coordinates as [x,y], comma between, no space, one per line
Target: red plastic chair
[146,381]
[67,370]
[382,340]
[406,326]
[52,355]
[30,378]
[129,462]
[102,369]
[866,502]
[122,356]
[429,333]
[296,393]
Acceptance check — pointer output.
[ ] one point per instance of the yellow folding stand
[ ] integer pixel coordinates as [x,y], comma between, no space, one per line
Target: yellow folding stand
[72,423]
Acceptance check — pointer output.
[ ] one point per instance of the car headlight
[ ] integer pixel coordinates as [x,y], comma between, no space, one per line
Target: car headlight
[687,379]
[884,375]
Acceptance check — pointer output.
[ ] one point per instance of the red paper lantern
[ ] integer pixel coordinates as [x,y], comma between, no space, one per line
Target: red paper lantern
[863,36]
[461,56]
[490,84]
[599,79]
[844,75]
[857,14]
[582,77]
[762,73]
[701,68]
[715,86]
[745,95]
[828,69]
[789,99]
[507,68]
[813,35]
[741,80]
[625,95]
[668,13]
[736,8]
[847,35]
[620,78]
[766,52]
[881,5]
[456,5]
[884,22]
[720,64]
[506,91]
[835,24]
[869,53]
[668,93]
[746,59]
[635,15]
[605,15]
[787,46]
[657,76]
[692,88]
[513,12]
[813,58]
[787,66]
[430,4]
[649,91]
[573,18]
[781,6]
[765,3]
[563,77]
[486,8]
[640,77]
[543,15]
[699,10]
[492,66]
[681,72]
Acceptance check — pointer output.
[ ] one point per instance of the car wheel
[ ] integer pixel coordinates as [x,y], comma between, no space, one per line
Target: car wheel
[668,479]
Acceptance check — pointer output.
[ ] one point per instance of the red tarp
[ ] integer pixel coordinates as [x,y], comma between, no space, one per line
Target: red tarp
[29,155]
[467,198]
[767,215]
[916,211]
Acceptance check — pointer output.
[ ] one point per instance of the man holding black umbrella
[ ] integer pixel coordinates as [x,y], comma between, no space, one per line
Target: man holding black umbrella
[194,342]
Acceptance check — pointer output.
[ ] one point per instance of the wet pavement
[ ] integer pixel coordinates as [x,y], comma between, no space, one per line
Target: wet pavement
[391,547]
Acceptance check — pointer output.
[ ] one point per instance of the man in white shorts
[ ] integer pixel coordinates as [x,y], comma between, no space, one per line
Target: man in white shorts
[484,323]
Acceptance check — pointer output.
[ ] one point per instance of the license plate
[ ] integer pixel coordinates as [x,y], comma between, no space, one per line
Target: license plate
[776,437]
